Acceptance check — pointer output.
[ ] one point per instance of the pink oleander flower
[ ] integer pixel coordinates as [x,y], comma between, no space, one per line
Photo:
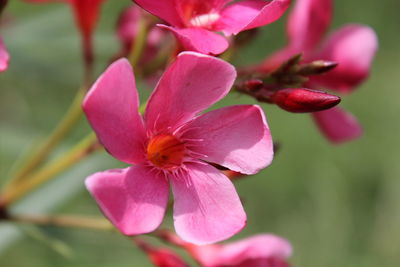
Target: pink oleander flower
[173,144]
[263,250]
[194,22]
[86,15]
[4,56]
[353,47]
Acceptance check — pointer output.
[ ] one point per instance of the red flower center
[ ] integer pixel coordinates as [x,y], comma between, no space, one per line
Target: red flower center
[165,151]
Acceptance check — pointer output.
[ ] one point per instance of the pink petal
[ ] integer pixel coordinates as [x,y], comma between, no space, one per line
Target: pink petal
[353,47]
[166,10]
[191,84]
[133,199]
[199,40]
[4,56]
[236,137]
[111,107]
[257,249]
[249,14]
[207,208]
[308,22]
[337,125]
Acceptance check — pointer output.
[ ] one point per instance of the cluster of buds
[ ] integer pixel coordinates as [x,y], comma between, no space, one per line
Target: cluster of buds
[283,86]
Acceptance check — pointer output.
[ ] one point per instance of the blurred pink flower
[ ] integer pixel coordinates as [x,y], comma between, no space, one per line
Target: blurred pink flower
[263,250]
[194,22]
[172,143]
[4,56]
[127,31]
[353,47]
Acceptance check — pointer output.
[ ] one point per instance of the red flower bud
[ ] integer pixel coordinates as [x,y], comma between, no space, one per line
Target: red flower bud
[166,258]
[253,85]
[301,100]
[160,257]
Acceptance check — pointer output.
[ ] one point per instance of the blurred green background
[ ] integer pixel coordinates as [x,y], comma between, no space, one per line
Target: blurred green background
[338,205]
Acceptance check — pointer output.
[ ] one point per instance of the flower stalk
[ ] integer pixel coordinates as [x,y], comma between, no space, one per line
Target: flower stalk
[83,149]
[37,157]
[140,43]
[72,221]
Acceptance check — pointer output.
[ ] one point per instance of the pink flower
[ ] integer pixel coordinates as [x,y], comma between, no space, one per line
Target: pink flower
[173,144]
[264,250]
[353,47]
[86,16]
[194,22]
[4,56]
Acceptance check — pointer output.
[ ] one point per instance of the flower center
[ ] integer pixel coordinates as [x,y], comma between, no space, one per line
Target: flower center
[205,20]
[165,151]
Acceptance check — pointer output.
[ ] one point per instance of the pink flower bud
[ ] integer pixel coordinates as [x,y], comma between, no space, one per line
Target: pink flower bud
[165,258]
[160,257]
[301,100]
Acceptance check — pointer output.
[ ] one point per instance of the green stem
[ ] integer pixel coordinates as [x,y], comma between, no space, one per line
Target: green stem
[72,221]
[229,54]
[36,158]
[140,43]
[86,147]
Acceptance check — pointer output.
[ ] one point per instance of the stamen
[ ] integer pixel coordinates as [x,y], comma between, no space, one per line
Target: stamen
[205,20]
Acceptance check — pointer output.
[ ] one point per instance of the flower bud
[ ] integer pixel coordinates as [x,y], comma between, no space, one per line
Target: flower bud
[302,100]
[253,85]
[166,258]
[317,67]
[160,257]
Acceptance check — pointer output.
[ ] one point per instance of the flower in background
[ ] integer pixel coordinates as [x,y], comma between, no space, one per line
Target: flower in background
[263,250]
[353,47]
[86,15]
[194,22]
[173,144]
[128,29]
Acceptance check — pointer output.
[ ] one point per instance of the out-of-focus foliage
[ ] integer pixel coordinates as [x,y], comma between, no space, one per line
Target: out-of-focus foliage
[339,205]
